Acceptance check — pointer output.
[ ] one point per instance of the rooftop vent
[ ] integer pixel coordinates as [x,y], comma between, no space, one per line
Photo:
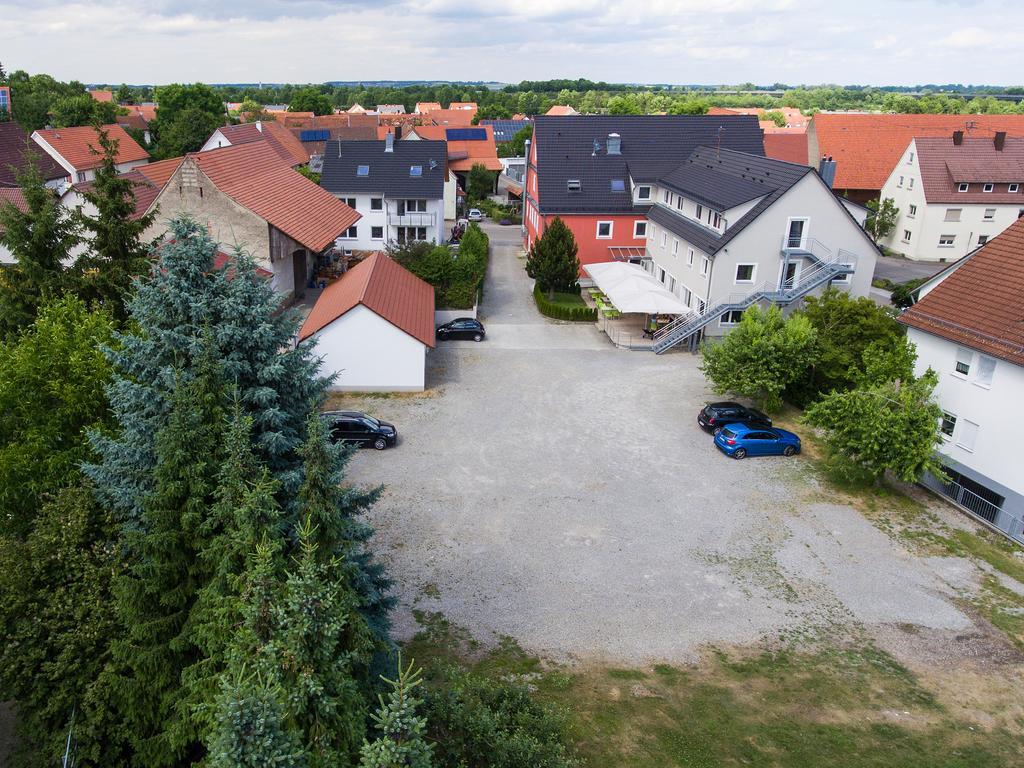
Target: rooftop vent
[958,138]
[573,185]
[614,144]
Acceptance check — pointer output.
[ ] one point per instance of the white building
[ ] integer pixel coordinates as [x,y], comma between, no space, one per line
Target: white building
[729,229]
[398,187]
[373,327]
[966,326]
[954,194]
[78,150]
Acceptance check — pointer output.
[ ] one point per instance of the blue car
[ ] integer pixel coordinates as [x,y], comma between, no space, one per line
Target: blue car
[740,441]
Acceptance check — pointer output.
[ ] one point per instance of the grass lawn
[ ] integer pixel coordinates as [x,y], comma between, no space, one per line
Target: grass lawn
[851,706]
[568,299]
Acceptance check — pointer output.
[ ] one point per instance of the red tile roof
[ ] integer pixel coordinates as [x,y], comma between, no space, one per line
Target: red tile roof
[385,288]
[423,107]
[453,118]
[791,147]
[133,120]
[80,146]
[148,111]
[15,197]
[463,105]
[463,155]
[257,178]
[222,259]
[980,303]
[559,109]
[102,95]
[866,147]
[280,139]
[976,161]
[15,150]
[161,171]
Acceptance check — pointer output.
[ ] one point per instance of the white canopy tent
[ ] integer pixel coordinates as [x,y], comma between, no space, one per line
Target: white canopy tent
[631,289]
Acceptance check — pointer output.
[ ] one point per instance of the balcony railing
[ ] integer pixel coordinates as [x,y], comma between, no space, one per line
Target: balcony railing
[411,219]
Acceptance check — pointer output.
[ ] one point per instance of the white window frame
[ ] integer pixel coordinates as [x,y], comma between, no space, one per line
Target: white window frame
[963,187]
[643,192]
[982,239]
[906,235]
[753,274]
[947,241]
[989,363]
[963,357]
[947,416]
[381,228]
[989,214]
[376,203]
[611,230]
[968,435]
[723,320]
[806,231]
[910,183]
[664,240]
[954,214]
[911,211]
[900,182]
[636,225]
[910,159]
[687,295]
[1013,188]
[675,246]
[652,232]
[705,266]
[843,279]
[689,257]
[989,188]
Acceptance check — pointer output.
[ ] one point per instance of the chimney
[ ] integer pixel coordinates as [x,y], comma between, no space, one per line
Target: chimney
[389,142]
[1000,140]
[259,126]
[526,150]
[827,171]
[398,132]
[958,138]
[614,145]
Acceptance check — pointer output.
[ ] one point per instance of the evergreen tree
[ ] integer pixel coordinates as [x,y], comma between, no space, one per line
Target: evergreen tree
[553,260]
[156,594]
[117,254]
[41,240]
[402,741]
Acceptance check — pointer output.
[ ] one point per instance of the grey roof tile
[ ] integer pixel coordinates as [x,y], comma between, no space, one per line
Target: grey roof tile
[388,171]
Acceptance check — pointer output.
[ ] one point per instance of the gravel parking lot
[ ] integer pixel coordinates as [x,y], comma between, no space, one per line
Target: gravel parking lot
[557,490]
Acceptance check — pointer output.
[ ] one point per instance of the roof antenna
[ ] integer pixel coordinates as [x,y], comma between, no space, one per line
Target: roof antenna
[718,145]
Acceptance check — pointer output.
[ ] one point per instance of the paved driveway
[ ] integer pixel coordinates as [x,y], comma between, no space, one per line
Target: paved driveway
[555,489]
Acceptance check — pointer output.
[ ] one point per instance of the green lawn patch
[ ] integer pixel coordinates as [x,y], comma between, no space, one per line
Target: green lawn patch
[564,306]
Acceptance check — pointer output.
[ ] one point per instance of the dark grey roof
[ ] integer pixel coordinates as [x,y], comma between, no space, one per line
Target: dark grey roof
[388,171]
[651,147]
[504,130]
[15,149]
[730,178]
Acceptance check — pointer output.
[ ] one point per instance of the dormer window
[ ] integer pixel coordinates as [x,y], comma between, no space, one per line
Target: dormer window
[963,187]
[362,170]
[574,185]
[988,188]
[415,170]
[643,193]
[618,185]
[1013,188]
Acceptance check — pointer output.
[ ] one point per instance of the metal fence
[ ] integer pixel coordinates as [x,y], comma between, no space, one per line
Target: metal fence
[983,509]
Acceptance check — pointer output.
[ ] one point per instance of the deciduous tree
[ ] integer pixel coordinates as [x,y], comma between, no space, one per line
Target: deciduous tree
[311,100]
[479,183]
[882,215]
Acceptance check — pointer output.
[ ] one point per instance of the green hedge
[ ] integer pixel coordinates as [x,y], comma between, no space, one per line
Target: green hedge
[561,311]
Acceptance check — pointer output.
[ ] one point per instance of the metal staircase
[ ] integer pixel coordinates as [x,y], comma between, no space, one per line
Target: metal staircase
[827,268]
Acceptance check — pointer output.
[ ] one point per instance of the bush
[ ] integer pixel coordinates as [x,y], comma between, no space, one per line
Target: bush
[457,275]
[561,311]
[474,721]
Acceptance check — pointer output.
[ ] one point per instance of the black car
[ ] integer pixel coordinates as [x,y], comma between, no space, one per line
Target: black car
[714,416]
[462,328]
[358,428]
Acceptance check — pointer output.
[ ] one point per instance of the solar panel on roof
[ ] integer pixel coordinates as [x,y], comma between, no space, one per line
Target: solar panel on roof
[319,134]
[466,134]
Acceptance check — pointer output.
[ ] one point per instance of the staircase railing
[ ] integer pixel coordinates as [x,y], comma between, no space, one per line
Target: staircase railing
[686,325]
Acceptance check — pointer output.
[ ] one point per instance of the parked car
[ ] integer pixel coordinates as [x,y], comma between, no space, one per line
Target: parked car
[740,441]
[716,415]
[361,429]
[475,214]
[461,328]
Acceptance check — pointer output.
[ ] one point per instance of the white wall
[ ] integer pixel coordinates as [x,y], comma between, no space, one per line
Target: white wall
[215,141]
[995,408]
[364,240]
[369,354]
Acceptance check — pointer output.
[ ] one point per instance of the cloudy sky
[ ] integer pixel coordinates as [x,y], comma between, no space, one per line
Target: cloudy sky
[900,42]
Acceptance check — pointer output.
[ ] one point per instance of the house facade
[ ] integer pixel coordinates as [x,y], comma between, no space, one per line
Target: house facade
[77,150]
[596,190]
[954,194]
[966,327]
[398,188]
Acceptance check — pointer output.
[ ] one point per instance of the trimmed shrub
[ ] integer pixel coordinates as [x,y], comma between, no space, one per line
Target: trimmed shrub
[561,311]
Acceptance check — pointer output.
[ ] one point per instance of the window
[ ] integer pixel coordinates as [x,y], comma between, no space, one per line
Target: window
[639,229]
[661,275]
[717,221]
[362,170]
[643,193]
[745,273]
[664,239]
[910,159]
[671,198]
[948,424]
[618,185]
[679,202]
[351,233]
[604,230]
[912,211]
[953,214]
[1013,188]
[732,317]
[376,203]
[701,306]
[900,182]
[415,170]
[664,195]
[689,257]
[675,247]
[843,279]
[964,357]
[671,284]
[705,263]
[350,202]
[990,213]
[962,187]
[377,233]
[968,435]
[573,185]
[946,241]
[906,235]
[687,296]
[982,239]
[700,211]
[416,206]
[988,188]
[910,183]
[986,369]
[652,231]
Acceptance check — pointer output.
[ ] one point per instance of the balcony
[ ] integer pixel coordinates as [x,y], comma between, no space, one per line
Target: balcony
[411,219]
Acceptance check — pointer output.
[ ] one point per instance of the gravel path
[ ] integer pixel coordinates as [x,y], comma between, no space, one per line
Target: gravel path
[555,489]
